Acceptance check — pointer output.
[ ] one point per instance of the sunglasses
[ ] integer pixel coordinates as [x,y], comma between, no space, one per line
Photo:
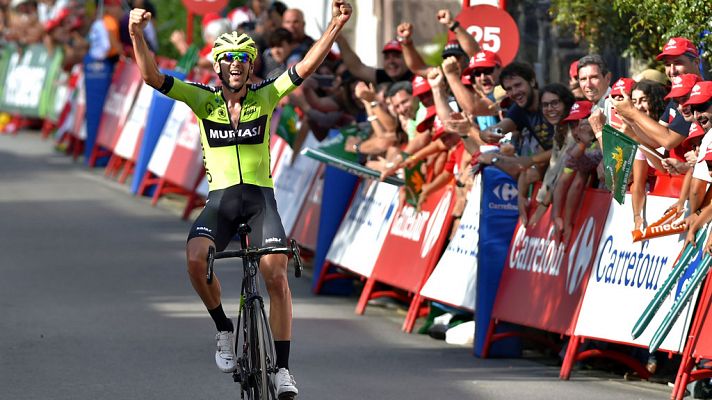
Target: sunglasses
[480,71]
[700,108]
[231,56]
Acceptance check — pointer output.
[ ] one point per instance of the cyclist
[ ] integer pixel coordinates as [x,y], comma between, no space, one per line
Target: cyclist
[234,121]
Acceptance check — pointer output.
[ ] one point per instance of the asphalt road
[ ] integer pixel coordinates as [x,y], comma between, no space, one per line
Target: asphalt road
[95,304]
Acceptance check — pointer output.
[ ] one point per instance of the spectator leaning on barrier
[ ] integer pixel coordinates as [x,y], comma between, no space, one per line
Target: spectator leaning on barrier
[680,56]
[594,80]
[581,161]
[232,178]
[556,101]
[648,97]
[531,133]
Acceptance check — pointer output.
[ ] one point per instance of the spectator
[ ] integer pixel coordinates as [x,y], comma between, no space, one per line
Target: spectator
[24,26]
[394,68]
[648,97]
[531,133]
[482,73]
[679,56]
[573,81]
[293,21]
[556,102]
[281,54]
[582,160]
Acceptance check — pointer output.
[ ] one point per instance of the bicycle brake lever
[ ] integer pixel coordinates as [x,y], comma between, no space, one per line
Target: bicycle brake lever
[211,259]
[297,259]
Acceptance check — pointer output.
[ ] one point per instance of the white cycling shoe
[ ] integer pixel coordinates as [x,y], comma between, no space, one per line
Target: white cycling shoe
[285,383]
[225,354]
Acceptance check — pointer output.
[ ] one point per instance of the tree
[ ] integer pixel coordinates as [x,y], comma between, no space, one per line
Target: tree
[641,27]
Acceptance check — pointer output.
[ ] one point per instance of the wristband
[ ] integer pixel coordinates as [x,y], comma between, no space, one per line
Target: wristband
[454,26]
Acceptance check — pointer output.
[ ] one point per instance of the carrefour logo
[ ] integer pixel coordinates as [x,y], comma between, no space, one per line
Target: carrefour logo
[435,224]
[580,255]
[506,192]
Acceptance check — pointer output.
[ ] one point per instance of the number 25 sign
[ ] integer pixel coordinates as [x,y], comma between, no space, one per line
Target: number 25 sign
[494,29]
[202,7]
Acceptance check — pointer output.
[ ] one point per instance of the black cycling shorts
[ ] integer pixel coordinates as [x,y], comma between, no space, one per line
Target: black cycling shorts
[227,208]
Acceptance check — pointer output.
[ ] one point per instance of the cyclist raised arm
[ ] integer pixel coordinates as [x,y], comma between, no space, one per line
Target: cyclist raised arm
[234,121]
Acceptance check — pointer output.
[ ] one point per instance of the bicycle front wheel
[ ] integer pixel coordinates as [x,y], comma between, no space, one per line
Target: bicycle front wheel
[261,355]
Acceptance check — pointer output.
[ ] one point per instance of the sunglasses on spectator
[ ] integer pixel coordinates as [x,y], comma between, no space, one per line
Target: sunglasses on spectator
[231,56]
[552,104]
[700,108]
[480,71]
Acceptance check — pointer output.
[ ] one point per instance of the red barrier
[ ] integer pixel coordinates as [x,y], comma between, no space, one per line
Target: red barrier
[544,280]
[698,346]
[124,86]
[306,228]
[411,250]
[185,168]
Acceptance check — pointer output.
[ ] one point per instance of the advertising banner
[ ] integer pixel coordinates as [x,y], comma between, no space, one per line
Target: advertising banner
[414,240]
[455,276]
[359,239]
[186,163]
[290,180]
[167,141]
[625,277]
[306,228]
[97,80]
[132,132]
[125,84]
[544,279]
[498,218]
[26,76]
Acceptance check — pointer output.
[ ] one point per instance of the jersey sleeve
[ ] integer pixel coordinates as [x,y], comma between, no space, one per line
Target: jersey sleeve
[194,95]
[284,84]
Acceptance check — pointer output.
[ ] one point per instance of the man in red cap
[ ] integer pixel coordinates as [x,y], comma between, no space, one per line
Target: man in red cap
[394,68]
[573,81]
[483,74]
[680,57]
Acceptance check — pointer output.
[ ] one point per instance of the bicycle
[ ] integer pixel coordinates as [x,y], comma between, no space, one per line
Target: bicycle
[256,365]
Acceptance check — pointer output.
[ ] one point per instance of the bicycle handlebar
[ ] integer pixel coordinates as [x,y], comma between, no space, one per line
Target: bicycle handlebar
[293,249]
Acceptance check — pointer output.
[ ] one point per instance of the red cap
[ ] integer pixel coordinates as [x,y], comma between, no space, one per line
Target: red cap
[393,45]
[682,85]
[483,59]
[678,46]
[705,153]
[210,17]
[427,121]
[420,85]
[701,93]
[438,128]
[54,22]
[573,69]
[622,85]
[580,110]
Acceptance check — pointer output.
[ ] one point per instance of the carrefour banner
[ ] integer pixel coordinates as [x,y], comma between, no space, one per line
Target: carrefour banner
[361,234]
[26,81]
[161,155]
[544,278]
[454,278]
[625,277]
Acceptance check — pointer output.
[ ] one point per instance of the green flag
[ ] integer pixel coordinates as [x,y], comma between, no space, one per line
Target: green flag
[335,145]
[288,126]
[618,156]
[414,179]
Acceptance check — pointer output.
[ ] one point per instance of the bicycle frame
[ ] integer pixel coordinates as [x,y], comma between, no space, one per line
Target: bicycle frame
[256,363]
